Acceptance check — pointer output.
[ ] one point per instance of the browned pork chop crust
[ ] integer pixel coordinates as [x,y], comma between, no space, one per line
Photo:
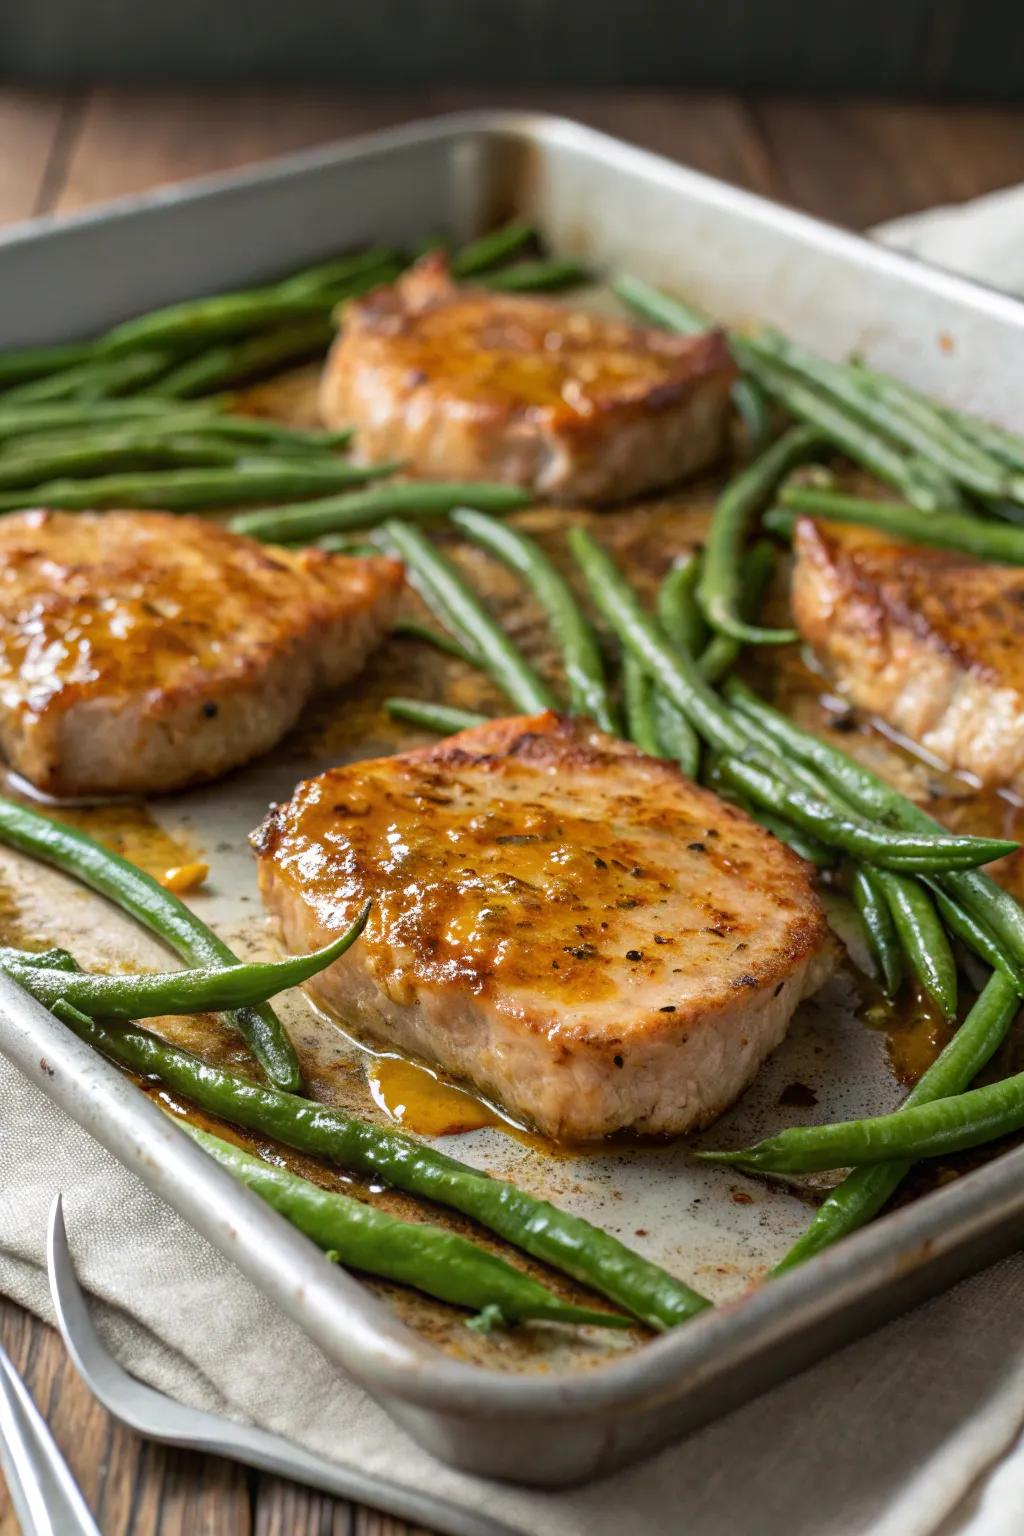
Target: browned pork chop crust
[141,651]
[575,928]
[928,640]
[466,384]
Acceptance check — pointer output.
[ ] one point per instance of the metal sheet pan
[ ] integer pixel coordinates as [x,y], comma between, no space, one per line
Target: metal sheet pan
[739,255]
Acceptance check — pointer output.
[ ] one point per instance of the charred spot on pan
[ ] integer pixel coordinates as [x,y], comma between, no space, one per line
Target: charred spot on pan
[634,954]
[798,1096]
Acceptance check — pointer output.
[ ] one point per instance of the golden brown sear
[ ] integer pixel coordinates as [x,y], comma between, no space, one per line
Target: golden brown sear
[930,641]
[466,384]
[141,651]
[573,927]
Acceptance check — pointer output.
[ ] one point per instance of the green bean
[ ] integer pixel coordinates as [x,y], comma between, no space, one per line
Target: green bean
[380,263]
[20,364]
[207,989]
[922,937]
[415,1253]
[1005,445]
[863,1193]
[200,321]
[412,630]
[933,1127]
[94,380]
[538,276]
[883,939]
[566,1242]
[721,583]
[17,421]
[945,530]
[976,892]
[413,498]
[978,938]
[638,699]
[657,307]
[881,402]
[181,490]
[426,716]
[103,454]
[673,315]
[860,441]
[581,654]
[502,660]
[241,361]
[155,908]
[893,850]
[675,671]
[722,653]
[491,249]
[676,735]
[676,605]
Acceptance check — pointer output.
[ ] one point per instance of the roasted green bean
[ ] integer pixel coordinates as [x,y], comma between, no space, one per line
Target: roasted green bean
[581,654]
[366,509]
[415,1253]
[492,249]
[426,716]
[538,276]
[980,537]
[155,908]
[566,1242]
[883,938]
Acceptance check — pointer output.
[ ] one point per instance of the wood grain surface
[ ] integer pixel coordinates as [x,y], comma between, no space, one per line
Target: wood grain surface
[852,162]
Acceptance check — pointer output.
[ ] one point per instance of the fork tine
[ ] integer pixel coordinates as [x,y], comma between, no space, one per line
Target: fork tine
[45,1496]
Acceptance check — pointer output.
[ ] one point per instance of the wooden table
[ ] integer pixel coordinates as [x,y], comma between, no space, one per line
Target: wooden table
[852,162]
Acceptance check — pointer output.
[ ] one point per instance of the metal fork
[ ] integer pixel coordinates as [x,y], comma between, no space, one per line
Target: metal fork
[45,1496]
[157,1417]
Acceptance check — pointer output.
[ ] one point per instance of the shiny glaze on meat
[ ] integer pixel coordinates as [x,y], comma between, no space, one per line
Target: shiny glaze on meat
[461,382]
[930,641]
[573,927]
[141,651]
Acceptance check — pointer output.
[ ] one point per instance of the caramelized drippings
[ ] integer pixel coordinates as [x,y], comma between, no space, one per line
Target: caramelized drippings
[422,1102]
[915,1032]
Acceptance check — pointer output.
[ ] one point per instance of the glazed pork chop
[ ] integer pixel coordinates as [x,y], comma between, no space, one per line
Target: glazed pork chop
[929,641]
[575,928]
[463,383]
[141,651]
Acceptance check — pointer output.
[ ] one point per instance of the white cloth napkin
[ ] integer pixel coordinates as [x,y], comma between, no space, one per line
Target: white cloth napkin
[914,1431]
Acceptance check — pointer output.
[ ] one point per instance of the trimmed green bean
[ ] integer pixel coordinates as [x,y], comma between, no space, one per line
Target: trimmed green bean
[894,850]
[208,989]
[502,660]
[426,716]
[978,938]
[100,455]
[857,439]
[28,421]
[677,736]
[410,629]
[864,1192]
[883,938]
[721,584]
[807,847]
[492,249]
[366,509]
[581,654]
[182,490]
[674,670]
[155,908]
[881,402]
[20,364]
[922,937]
[962,532]
[93,380]
[676,605]
[241,361]
[415,1253]
[931,1127]
[538,276]
[722,653]
[638,701]
[201,321]
[566,1242]
[378,263]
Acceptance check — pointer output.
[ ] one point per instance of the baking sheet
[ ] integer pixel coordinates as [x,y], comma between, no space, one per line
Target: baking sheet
[712,1226]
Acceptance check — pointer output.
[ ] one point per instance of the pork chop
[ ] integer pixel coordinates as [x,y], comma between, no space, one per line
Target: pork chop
[575,928]
[929,641]
[463,383]
[141,651]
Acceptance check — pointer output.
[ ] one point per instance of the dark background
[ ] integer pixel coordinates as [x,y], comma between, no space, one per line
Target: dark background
[935,48]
